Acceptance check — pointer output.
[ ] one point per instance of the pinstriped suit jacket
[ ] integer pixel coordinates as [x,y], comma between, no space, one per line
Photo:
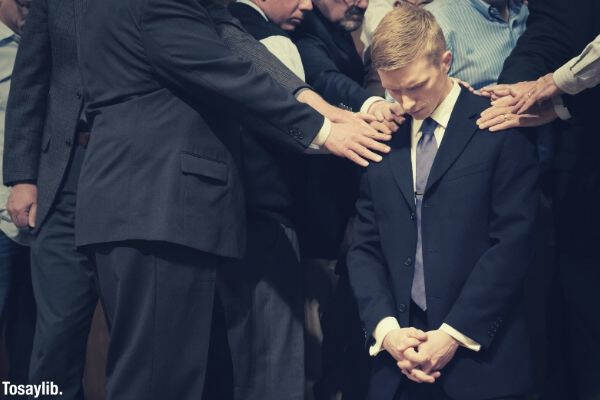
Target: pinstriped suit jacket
[45,100]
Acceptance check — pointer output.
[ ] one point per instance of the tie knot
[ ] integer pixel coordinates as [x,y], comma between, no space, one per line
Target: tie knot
[428,127]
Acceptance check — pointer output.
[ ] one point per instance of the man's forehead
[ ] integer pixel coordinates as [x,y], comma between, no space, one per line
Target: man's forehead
[412,74]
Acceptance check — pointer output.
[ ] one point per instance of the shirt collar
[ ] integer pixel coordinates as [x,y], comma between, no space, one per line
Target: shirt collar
[443,111]
[492,13]
[6,32]
[257,8]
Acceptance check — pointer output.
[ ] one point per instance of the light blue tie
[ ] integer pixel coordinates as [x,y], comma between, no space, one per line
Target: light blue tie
[426,150]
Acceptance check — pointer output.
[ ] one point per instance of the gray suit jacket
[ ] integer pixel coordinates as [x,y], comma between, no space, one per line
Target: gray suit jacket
[45,101]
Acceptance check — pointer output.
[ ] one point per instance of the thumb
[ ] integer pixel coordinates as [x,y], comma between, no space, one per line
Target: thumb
[32,215]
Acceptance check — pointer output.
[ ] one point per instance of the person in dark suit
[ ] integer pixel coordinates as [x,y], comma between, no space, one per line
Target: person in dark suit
[334,68]
[161,202]
[444,233]
[550,50]
[44,146]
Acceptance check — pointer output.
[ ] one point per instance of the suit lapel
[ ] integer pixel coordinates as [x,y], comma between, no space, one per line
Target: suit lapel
[459,131]
[399,162]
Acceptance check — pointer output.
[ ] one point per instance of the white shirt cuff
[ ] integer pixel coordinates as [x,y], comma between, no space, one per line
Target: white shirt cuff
[566,80]
[321,137]
[463,340]
[559,108]
[369,102]
[384,327]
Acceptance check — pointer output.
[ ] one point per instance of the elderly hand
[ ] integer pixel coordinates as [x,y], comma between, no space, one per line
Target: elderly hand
[22,204]
[503,115]
[516,90]
[544,89]
[356,141]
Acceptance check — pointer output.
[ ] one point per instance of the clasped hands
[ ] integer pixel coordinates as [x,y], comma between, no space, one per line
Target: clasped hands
[420,355]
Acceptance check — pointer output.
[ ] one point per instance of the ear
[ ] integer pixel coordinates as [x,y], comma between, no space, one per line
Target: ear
[446,61]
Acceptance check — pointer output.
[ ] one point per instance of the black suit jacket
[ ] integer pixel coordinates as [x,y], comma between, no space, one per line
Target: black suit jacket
[556,32]
[45,100]
[162,163]
[478,217]
[331,63]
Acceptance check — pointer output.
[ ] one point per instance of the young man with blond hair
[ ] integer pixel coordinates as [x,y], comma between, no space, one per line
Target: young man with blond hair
[443,238]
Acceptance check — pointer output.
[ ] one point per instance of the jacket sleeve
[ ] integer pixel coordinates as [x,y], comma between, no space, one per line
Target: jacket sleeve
[546,44]
[368,272]
[496,281]
[184,49]
[326,78]
[26,107]
[249,49]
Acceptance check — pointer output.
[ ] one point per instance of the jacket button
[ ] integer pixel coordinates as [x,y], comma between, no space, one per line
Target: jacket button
[78,94]
[68,142]
[413,216]
[408,262]
[402,307]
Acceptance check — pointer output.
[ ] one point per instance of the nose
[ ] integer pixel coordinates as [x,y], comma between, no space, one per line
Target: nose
[407,103]
[306,5]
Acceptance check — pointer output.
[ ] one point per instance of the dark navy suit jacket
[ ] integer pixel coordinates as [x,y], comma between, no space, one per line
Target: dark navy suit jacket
[478,219]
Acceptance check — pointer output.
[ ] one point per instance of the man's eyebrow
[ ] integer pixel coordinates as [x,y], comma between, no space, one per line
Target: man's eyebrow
[416,84]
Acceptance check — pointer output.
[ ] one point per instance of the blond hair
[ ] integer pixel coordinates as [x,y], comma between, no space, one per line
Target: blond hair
[404,34]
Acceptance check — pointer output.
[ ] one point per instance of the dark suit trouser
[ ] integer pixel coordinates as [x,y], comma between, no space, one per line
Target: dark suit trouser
[263,304]
[17,307]
[158,298]
[65,294]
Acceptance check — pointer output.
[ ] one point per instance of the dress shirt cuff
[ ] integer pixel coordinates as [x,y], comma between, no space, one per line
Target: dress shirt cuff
[321,137]
[384,327]
[566,80]
[463,340]
[559,108]
[369,102]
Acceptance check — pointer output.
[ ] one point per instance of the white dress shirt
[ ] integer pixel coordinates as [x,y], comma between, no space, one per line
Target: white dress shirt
[581,72]
[441,115]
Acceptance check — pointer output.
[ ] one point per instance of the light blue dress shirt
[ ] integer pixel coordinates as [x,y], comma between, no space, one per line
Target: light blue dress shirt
[479,39]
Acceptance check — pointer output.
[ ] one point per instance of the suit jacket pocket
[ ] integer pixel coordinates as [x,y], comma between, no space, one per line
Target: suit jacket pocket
[196,165]
[470,169]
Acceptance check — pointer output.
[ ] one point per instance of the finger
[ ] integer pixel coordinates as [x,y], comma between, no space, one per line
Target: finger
[399,119]
[380,137]
[397,109]
[526,104]
[366,153]
[500,119]
[412,355]
[365,117]
[409,376]
[417,333]
[386,113]
[22,218]
[422,376]
[511,123]
[381,128]
[408,342]
[372,144]
[355,158]
[391,126]
[405,364]
[32,215]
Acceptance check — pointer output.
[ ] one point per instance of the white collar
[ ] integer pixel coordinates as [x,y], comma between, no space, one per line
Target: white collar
[443,111]
[253,5]
[5,31]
